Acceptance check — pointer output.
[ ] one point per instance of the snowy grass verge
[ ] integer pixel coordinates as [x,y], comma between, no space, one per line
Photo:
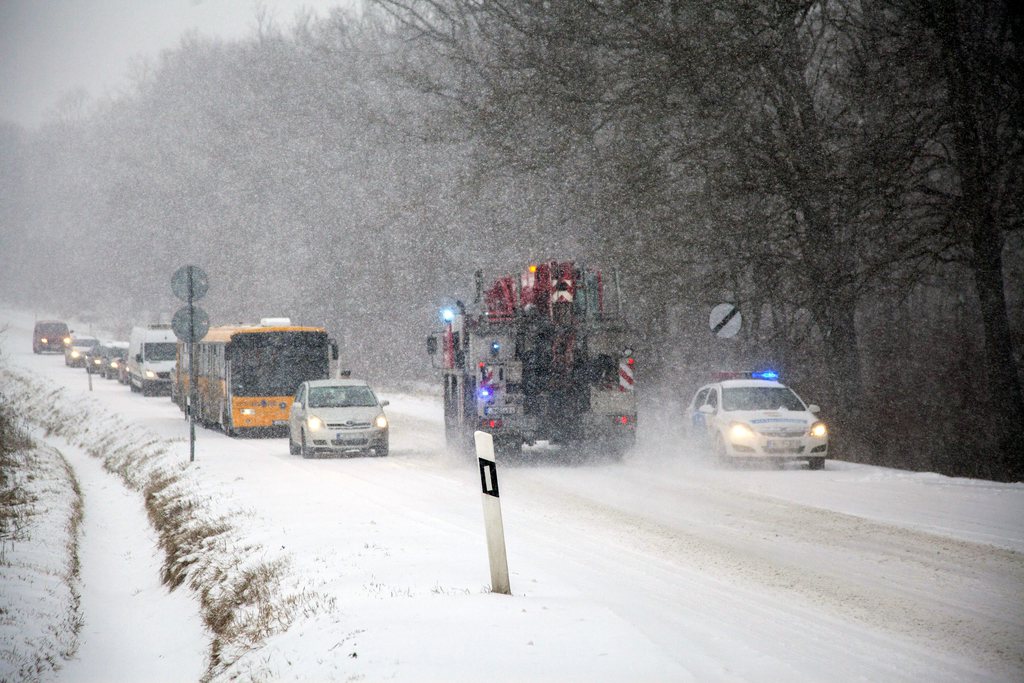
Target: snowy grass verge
[244,597]
[40,619]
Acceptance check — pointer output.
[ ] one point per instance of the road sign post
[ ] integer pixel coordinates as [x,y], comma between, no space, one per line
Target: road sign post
[190,324]
[492,513]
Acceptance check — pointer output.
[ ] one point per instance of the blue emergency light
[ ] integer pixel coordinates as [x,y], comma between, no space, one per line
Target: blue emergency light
[448,314]
[769,375]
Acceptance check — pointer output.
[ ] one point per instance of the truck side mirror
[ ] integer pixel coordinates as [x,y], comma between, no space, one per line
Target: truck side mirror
[431,345]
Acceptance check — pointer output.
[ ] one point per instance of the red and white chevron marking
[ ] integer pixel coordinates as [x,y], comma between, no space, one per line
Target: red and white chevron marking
[625,377]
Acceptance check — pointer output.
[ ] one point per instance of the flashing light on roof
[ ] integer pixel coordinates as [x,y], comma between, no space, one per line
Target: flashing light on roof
[485,392]
[495,347]
[769,375]
[533,268]
[447,314]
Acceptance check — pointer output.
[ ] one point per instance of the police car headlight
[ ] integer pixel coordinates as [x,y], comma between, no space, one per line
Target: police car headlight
[740,432]
[819,430]
[380,422]
[314,423]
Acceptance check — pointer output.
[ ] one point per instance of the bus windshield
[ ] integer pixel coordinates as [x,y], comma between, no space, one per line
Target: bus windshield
[275,363]
[159,351]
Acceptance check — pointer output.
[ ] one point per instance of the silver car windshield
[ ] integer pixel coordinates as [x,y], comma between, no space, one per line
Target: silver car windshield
[341,397]
[760,398]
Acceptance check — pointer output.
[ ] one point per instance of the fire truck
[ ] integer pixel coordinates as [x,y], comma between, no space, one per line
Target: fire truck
[544,356]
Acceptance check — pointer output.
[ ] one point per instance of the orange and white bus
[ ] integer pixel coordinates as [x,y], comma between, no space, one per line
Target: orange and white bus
[247,375]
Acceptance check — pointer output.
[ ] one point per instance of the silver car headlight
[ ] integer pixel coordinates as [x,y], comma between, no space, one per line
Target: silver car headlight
[314,423]
[819,430]
[380,422]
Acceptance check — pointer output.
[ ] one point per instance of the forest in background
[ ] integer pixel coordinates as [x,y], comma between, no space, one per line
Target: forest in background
[848,173]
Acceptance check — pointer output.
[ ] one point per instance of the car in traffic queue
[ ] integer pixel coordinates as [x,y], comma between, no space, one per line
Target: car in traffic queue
[114,355]
[337,416]
[50,335]
[751,416]
[94,358]
[74,354]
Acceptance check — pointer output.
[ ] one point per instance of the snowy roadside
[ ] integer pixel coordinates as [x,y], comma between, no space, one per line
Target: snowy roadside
[244,592]
[39,613]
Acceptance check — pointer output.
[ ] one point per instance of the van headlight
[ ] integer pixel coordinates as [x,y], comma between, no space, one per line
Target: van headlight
[380,422]
[150,374]
[314,423]
[819,430]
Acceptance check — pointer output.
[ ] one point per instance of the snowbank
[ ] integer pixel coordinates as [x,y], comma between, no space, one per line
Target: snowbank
[39,617]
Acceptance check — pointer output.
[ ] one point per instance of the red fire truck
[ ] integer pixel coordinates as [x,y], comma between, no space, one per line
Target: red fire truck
[545,356]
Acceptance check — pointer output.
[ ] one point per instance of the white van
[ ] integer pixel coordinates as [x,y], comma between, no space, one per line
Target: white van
[151,357]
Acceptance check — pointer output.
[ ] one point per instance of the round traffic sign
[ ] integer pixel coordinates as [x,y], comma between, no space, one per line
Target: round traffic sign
[190,328]
[189,278]
[725,320]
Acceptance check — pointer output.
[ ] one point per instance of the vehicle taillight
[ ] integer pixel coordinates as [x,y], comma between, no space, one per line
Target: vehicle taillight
[491,423]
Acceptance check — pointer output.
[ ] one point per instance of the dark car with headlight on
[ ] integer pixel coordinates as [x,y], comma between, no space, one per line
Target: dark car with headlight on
[50,335]
[74,353]
[112,355]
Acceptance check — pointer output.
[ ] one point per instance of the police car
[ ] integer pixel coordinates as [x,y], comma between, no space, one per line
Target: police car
[753,416]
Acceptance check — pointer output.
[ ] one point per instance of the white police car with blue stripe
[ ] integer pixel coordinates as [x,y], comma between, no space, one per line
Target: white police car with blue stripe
[753,416]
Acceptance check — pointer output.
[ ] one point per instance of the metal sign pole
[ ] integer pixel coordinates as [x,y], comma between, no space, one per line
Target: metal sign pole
[192,380]
[190,324]
[492,513]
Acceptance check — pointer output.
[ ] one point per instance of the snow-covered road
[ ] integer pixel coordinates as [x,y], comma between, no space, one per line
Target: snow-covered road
[653,569]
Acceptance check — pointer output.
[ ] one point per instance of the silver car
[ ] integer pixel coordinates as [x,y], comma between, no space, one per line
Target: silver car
[336,416]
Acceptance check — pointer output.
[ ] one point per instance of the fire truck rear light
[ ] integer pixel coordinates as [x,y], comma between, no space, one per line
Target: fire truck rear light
[621,419]
[630,361]
[492,424]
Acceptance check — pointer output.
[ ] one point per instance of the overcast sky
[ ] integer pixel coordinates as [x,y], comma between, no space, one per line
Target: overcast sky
[52,47]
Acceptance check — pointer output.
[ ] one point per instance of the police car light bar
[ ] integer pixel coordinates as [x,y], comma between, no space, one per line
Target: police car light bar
[769,375]
[765,374]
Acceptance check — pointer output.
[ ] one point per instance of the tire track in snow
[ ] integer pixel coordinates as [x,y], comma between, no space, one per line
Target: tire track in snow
[970,604]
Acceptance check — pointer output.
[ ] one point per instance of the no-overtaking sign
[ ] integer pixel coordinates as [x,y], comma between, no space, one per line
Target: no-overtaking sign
[725,320]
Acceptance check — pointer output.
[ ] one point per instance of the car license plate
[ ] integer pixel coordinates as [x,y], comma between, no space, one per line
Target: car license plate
[280,423]
[782,444]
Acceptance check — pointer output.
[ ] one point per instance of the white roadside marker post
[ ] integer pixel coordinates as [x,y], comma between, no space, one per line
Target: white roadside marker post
[492,513]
